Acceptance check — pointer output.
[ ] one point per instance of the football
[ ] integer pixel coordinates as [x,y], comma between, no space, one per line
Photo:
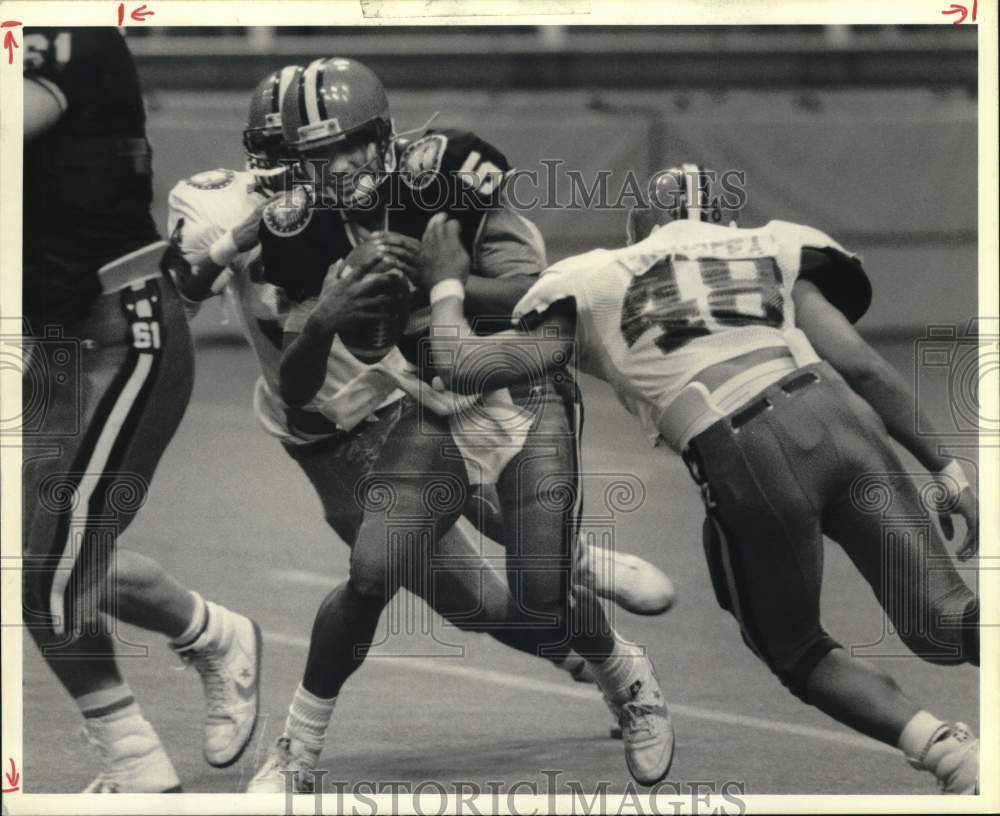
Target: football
[372,342]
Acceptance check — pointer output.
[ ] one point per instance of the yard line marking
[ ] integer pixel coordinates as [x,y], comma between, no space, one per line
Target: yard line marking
[327,580]
[447,666]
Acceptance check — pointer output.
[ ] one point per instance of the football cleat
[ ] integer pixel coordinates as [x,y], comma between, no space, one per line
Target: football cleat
[647,730]
[288,763]
[627,580]
[227,656]
[953,758]
[132,758]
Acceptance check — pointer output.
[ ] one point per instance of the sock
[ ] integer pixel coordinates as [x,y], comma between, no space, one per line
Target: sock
[198,624]
[108,704]
[308,718]
[626,664]
[113,715]
[919,734]
[573,664]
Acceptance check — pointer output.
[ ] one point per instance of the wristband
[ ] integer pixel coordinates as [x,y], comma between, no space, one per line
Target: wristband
[953,473]
[452,287]
[224,249]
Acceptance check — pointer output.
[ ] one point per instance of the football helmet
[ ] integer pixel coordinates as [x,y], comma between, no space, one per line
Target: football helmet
[263,139]
[336,99]
[674,194]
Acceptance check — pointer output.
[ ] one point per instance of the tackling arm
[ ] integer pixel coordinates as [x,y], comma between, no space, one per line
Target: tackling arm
[465,363]
[468,364]
[509,254]
[868,373]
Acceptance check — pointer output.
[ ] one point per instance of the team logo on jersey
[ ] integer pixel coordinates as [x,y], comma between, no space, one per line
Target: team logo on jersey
[289,214]
[421,161]
[212,179]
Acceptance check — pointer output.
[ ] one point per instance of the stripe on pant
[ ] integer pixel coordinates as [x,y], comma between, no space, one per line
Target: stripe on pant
[93,471]
[734,591]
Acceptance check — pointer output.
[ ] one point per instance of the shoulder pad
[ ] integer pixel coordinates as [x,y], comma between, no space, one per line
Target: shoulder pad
[422,158]
[575,264]
[211,179]
[452,152]
[289,213]
[806,236]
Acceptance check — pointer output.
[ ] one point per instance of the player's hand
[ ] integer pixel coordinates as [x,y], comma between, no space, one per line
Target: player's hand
[369,256]
[245,234]
[403,251]
[442,256]
[966,505]
[959,498]
[354,298]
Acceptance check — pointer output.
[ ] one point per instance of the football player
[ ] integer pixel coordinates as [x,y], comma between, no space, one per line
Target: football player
[736,347]
[213,218]
[108,369]
[336,247]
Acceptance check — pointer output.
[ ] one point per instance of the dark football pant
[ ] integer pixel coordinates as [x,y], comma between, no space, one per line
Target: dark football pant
[541,502]
[455,581]
[405,469]
[806,458]
[101,401]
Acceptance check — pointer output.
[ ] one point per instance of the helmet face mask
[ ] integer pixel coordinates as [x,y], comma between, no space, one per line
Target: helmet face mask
[263,148]
[349,168]
[263,137]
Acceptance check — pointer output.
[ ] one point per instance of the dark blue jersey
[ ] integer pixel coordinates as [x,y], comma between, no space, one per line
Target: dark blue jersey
[87,180]
[448,171]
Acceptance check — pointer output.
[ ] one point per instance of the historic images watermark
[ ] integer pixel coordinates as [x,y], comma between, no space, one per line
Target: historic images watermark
[431,797]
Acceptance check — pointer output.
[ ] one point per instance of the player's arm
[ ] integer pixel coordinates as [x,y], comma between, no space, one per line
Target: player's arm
[208,257]
[466,362]
[346,302]
[885,389]
[44,105]
[509,255]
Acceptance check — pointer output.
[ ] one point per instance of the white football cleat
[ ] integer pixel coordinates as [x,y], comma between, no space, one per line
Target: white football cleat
[227,656]
[627,580]
[648,732]
[954,760]
[132,758]
[647,729]
[288,763]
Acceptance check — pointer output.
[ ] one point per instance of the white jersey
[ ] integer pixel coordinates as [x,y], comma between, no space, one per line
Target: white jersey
[211,203]
[652,315]
[489,429]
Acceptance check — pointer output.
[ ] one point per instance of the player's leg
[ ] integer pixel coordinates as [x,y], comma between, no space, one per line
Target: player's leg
[69,544]
[465,588]
[539,494]
[408,479]
[885,527]
[470,593]
[622,578]
[223,646]
[132,398]
[767,484]
[880,521]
